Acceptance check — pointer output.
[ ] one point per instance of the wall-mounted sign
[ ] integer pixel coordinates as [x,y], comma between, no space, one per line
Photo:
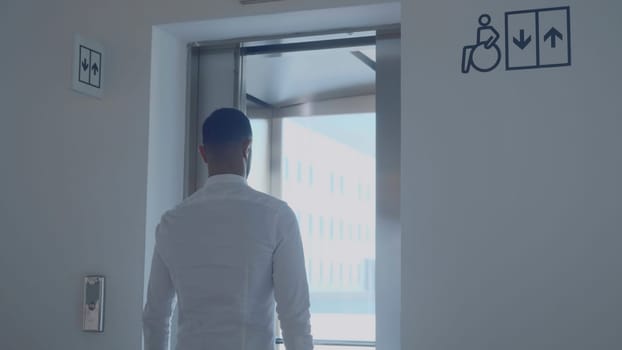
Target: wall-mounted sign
[88,67]
[537,38]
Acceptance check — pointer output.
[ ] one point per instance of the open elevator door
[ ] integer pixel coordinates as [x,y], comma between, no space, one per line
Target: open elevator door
[388,177]
[216,80]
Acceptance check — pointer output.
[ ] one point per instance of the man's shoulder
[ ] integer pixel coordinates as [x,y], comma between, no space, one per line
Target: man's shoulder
[267,200]
[190,201]
[246,194]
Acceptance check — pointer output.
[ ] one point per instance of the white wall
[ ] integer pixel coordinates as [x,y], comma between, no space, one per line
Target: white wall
[510,212]
[74,180]
[75,187]
[512,199]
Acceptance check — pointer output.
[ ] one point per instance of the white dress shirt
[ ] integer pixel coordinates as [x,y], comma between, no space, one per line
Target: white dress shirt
[227,253]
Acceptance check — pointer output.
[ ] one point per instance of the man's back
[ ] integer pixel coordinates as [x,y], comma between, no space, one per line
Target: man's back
[227,252]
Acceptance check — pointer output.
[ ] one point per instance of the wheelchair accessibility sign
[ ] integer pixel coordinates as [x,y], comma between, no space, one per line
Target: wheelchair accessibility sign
[538,38]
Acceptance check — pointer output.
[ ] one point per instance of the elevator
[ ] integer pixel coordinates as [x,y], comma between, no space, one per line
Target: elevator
[325,112]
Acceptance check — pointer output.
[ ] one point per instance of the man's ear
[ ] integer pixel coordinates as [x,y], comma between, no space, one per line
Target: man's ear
[203,153]
[246,148]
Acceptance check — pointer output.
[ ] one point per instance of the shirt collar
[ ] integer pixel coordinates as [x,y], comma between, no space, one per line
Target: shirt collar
[225,178]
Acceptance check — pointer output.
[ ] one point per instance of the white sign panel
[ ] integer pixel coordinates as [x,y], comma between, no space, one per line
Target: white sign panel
[88,67]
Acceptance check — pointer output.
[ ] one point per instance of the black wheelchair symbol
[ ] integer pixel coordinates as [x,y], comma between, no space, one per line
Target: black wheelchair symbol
[486,54]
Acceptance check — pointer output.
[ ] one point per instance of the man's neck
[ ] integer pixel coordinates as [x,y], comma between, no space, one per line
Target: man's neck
[214,172]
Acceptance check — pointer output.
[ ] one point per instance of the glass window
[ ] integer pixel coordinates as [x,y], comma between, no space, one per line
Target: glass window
[340,259]
[259,177]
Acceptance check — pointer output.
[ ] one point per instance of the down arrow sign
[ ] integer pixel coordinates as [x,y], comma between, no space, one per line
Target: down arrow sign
[523,42]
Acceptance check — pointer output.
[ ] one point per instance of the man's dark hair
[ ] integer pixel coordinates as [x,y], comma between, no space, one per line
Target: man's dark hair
[226,126]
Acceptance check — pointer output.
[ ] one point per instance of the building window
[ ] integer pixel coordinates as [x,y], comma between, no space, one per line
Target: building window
[334,244]
[309,271]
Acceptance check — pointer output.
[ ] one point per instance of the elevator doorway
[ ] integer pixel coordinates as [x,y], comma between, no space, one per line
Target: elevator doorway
[325,115]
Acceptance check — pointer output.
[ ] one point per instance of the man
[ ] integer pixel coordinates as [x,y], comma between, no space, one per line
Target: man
[226,253]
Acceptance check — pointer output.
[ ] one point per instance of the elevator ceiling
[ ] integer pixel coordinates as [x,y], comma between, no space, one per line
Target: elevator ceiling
[290,78]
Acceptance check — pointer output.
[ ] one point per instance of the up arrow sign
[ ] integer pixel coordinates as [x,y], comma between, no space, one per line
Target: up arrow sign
[553,35]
